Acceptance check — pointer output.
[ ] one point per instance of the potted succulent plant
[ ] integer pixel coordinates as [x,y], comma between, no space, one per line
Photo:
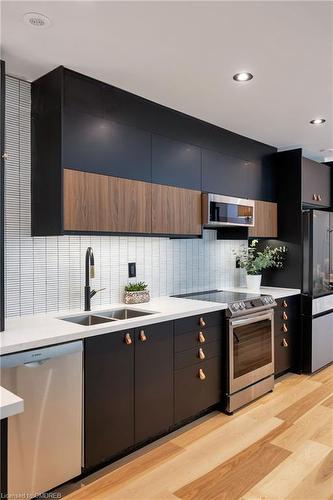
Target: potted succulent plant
[136,293]
[255,261]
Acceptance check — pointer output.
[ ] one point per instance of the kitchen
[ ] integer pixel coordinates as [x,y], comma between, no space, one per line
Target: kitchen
[140,358]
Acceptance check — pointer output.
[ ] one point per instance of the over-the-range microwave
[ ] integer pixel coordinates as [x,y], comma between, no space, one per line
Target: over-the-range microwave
[218,210]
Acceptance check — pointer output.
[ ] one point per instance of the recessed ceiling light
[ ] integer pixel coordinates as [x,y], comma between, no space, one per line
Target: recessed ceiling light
[244,76]
[317,121]
[37,20]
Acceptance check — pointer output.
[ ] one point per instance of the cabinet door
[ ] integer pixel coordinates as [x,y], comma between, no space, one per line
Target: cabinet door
[109,396]
[287,334]
[193,393]
[93,144]
[175,163]
[176,210]
[102,203]
[265,220]
[316,183]
[153,380]
[223,174]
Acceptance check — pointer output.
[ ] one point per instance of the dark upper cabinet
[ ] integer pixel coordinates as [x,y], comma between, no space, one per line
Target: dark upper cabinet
[93,144]
[83,94]
[175,163]
[233,176]
[316,183]
[80,123]
[223,174]
[109,396]
[153,380]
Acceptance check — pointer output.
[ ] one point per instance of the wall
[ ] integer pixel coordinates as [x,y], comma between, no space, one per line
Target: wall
[47,273]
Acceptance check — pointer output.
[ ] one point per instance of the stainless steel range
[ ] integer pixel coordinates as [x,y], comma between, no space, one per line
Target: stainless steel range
[249,344]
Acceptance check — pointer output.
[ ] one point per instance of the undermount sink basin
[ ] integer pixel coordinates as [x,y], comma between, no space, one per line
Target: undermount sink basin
[87,319]
[124,313]
[105,316]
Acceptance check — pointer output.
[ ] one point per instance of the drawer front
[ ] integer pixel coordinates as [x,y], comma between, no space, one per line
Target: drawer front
[192,394]
[283,352]
[198,337]
[198,322]
[198,355]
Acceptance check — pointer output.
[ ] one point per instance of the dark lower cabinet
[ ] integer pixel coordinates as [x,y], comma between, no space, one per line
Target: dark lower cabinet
[109,396]
[153,380]
[198,364]
[287,335]
[134,392]
[128,390]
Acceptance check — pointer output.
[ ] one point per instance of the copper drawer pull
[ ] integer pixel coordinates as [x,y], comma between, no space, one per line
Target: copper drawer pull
[202,322]
[201,354]
[201,338]
[128,339]
[202,375]
[142,336]
[284,343]
[284,303]
[284,316]
[284,328]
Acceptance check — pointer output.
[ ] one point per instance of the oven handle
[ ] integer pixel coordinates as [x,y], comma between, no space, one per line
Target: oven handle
[251,319]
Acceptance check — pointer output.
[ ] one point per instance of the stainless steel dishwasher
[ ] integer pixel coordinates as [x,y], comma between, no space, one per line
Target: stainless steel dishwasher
[44,442]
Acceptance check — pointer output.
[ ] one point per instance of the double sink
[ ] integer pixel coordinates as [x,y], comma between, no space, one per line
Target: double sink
[105,316]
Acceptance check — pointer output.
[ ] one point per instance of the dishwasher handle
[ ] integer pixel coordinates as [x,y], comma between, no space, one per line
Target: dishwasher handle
[37,357]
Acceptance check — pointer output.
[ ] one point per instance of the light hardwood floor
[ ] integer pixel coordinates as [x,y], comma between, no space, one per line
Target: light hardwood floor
[280,447]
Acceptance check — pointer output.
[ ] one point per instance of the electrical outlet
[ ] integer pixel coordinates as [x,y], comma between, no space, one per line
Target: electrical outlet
[132,269]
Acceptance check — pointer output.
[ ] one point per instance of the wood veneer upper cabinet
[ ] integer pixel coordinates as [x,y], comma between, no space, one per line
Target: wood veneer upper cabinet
[265,220]
[176,210]
[101,203]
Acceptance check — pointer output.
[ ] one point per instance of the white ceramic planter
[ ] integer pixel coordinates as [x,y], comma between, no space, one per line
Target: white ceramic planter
[253,282]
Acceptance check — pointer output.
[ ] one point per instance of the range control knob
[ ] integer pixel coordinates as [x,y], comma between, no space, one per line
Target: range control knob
[242,305]
[235,306]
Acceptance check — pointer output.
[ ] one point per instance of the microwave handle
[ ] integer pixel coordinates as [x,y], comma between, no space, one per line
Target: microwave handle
[253,319]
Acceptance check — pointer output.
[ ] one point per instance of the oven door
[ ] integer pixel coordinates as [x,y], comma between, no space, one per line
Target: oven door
[251,349]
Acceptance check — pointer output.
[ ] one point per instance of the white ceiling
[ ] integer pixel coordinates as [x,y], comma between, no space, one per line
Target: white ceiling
[184,54]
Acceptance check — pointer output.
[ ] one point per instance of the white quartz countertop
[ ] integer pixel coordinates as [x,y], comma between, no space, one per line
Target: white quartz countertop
[10,404]
[41,330]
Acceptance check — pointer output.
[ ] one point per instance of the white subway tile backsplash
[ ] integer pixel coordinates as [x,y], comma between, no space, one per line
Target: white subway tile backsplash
[47,274]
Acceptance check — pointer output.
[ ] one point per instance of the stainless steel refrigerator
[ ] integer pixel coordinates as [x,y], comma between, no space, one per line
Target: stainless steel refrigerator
[317,292]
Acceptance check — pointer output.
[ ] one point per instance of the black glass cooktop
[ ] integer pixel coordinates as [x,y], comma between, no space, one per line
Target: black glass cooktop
[222,296]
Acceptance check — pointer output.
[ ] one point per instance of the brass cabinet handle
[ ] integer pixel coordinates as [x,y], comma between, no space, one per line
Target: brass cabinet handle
[284,303]
[318,197]
[285,316]
[202,375]
[202,322]
[284,343]
[201,338]
[201,354]
[142,336]
[284,328]
[128,339]
[315,197]
[5,156]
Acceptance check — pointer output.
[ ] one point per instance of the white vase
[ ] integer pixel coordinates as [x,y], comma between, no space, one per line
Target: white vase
[253,281]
